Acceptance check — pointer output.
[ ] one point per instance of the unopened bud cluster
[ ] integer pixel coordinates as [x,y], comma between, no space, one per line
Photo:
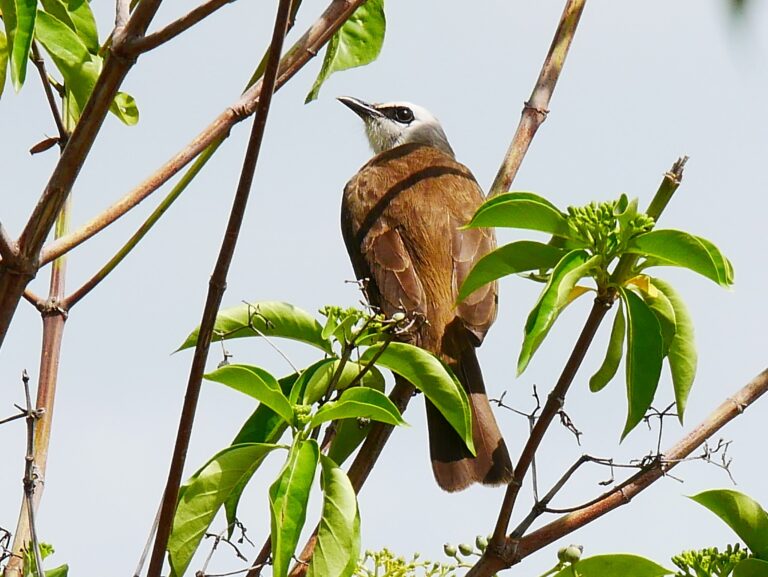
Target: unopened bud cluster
[709,562]
[604,228]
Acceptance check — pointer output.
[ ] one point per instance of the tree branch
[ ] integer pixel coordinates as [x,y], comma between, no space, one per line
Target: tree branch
[300,53]
[39,63]
[537,107]
[9,251]
[170,31]
[216,289]
[514,550]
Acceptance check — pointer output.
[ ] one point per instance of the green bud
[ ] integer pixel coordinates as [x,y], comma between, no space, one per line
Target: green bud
[449,550]
[570,554]
[481,543]
[465,549]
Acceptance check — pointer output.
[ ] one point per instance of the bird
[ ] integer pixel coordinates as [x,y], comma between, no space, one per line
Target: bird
[401,218]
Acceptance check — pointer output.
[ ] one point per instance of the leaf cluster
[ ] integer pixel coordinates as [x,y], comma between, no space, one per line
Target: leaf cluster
[610,244]
[343,391]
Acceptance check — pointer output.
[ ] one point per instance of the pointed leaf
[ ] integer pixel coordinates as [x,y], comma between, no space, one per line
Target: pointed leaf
[613,354]
[356,43]
[662,307]
[359,402]
[742,514]
[320,379]
[263,426]
[288,498]
[554,298]
[513,258]
[350,433]
[682,355]
[202,496]
[257,383]
[19,18]
[751,568]
[644,356]
[431,376]
[338,536]
[520,210]
[267,318]
[678,248]
[613,566]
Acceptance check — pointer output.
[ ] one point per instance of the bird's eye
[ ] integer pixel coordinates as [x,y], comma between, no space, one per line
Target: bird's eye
[403,114]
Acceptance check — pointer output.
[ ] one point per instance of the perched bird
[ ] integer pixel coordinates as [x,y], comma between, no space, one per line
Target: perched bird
[401,219]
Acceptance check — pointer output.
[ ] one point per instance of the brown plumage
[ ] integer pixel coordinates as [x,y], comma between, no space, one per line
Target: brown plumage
[401,217]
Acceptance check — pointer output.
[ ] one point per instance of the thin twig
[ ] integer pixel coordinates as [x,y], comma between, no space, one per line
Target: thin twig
[514,550]
[147,544]
[122,13]
[536,109]
[39,63]
[30,476]
[170,31]
[300,53]
[216,291]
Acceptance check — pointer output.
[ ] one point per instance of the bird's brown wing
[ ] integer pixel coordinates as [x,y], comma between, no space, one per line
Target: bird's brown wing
[478,310]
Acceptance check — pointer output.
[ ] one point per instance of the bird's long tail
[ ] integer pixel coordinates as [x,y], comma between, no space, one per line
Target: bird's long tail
[453,465]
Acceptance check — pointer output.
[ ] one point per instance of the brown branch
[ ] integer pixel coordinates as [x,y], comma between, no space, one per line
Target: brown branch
[9,251]
[31,476]
[514,550]
[122,13]
[537,107]
[39,63]
[170,31]
[300,53]
[216,290]
[554,403]
[13,280]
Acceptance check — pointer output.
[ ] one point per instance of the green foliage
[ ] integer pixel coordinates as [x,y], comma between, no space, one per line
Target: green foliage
[19,19]
[356,43]
[710,562]
[201,497]
[30,562]
[385,563]
[742,514]
[338,537]
[610,243]
[613,565]
[288,498]
[338,389]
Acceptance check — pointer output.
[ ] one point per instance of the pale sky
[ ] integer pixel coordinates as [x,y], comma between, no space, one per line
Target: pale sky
[644,84]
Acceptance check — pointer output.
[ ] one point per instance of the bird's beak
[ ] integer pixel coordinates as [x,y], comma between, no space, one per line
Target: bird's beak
[362,109]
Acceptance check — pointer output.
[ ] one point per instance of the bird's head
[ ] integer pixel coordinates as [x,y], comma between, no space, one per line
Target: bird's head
[391,124]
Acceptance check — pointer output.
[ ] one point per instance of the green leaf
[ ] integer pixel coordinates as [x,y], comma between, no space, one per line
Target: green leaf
[359,402]
[613,353]
[613,566]
[263,426]
[678,248]
[431,376]
[19,18]
[77,65]
[77,15]
[350,433]
[520,210]
[288,498]
[320,378]
[356,43]
[645,350]
[554,298]
[267,318]
[60,571]
[338,536]
[510,259]
[256,383]
[742,514]
[124,107]
[751,568]
[203,494]
[681,355]
[662,307]
[3,60]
